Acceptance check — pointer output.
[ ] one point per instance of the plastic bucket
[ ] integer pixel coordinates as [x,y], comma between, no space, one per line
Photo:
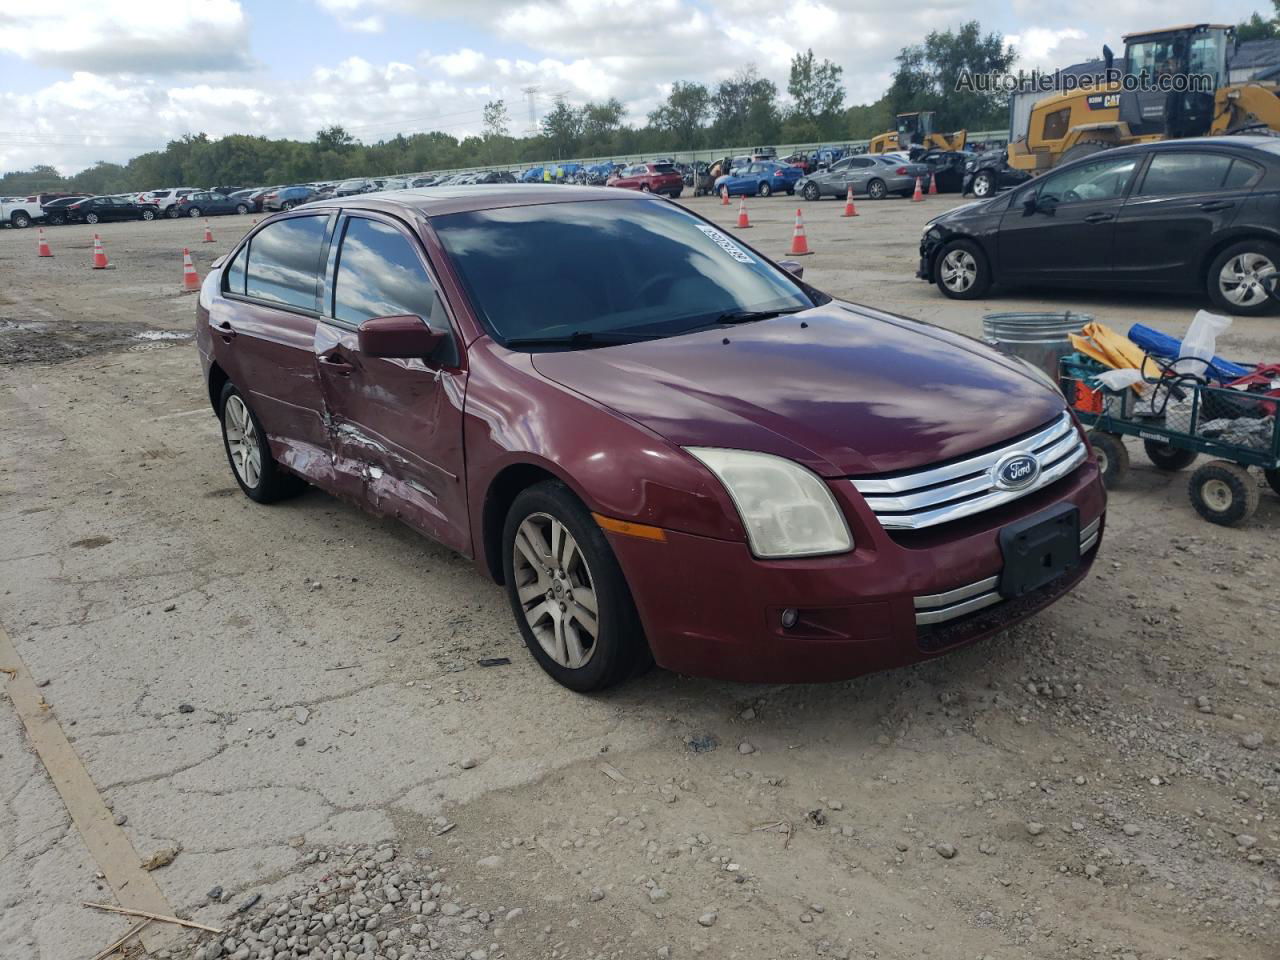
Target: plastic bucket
[1039,338]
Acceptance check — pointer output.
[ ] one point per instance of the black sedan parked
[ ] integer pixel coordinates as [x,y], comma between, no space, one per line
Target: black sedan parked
[98,209]
[986,174]
[1200,215]
[55,211]
[207,204]
[947,167]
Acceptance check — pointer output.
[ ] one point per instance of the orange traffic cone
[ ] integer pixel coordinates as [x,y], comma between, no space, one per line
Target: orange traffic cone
[724,196]
[208,234]
[743,222]
[917,196]
[42,245]
[799,242]
[99,255]
[933,184]
[190,279]
[849,210]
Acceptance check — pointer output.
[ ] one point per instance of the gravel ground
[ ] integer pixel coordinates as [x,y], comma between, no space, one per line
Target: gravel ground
[290,698]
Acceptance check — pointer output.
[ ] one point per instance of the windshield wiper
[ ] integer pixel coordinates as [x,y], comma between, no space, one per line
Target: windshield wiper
[750,316]
[580,338]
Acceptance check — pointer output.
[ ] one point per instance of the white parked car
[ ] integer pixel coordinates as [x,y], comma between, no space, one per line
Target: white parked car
[19,212]
[164,199]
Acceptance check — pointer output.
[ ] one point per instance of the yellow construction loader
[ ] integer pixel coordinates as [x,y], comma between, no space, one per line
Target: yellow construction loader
[916,130]
[1143,100]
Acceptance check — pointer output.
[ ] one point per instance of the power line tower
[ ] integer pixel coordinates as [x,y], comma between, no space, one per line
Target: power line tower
[532,93]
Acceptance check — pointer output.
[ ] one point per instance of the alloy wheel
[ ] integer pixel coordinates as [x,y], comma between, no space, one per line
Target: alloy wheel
[242,441]
[958,270]
[811,191]
[1241,279]
[556,590]
[981,185]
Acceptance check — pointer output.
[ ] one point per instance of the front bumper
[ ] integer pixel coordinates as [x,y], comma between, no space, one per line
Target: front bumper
[710,608]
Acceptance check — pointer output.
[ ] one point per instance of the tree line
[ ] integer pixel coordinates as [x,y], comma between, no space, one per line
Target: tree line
[744,110]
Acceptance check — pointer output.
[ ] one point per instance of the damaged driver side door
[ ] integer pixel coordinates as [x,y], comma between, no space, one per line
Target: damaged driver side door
[395,425]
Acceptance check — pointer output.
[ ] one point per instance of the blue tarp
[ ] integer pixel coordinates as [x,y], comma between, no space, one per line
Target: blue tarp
[1162,345]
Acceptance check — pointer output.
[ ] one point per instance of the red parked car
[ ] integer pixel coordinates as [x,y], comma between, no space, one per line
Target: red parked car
[663,444]
[649,178]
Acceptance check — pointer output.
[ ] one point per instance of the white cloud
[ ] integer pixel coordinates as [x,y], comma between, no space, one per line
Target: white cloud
[127,36]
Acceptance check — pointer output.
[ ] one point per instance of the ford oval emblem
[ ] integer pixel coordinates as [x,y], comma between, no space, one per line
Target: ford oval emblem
[1015,471]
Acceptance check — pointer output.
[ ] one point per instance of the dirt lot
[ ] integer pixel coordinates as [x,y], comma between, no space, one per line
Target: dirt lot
[290,699]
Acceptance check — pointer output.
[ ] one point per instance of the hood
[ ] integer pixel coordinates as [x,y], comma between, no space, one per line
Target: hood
[853,392]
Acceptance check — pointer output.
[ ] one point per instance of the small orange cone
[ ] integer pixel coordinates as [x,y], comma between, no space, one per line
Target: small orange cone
[799,242]
[42,245]
[743,222]
[99,255]
[917,196]
[208,234]
[190,279]
[724,196]
[933,185]
[849,210]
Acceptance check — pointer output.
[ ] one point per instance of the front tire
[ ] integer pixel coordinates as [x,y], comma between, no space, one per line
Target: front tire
[567,592]
[256,471]
[984,184]
[147,215]
[242,209]
[962,271]
[1235,278]
[1223,493]
[644,188]
[811,192]
[877,190]
[20,220]
[287,205]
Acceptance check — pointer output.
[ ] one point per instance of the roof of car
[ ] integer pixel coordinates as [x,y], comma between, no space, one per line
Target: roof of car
[437,201]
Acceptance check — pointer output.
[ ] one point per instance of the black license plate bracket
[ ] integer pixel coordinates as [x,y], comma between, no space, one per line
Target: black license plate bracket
[1039,549]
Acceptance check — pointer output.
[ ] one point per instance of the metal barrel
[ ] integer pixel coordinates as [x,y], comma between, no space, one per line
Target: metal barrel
[1039,338]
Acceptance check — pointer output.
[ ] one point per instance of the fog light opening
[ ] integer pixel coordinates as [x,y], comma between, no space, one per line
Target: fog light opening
[790,617]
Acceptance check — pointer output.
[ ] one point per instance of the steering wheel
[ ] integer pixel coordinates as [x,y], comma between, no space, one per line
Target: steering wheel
[1072,195]
[651,286]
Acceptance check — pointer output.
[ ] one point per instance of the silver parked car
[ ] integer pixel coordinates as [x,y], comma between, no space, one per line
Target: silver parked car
[871,175]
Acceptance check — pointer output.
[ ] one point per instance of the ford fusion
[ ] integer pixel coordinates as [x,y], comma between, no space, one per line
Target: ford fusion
[664,446]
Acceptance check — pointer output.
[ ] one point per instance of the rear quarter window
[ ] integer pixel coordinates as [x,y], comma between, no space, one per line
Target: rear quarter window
[284,262]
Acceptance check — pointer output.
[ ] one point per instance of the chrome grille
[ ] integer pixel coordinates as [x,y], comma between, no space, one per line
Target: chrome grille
[941,607]
[925,498]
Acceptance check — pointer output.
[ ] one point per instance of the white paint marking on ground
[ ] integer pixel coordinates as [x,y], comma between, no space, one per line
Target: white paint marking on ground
[110,847]
[174,416]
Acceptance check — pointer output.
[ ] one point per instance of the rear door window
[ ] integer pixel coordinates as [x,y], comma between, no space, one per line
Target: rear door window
[284,262]
[1170,174]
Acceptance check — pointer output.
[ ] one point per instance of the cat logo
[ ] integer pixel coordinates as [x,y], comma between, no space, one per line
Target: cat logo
[1103,101]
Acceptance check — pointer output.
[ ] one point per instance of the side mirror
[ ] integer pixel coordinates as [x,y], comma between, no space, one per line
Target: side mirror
[792,267]
[405,337]
[1108,57]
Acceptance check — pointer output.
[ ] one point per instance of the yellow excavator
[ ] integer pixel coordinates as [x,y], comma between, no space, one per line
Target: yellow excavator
[1140,102]
[916,130]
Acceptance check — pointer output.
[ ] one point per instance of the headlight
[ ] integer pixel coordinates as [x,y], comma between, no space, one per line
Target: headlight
[787,510]
[971,166]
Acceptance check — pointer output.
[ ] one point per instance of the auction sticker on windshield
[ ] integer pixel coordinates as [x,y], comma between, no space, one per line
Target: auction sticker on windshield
[725,244]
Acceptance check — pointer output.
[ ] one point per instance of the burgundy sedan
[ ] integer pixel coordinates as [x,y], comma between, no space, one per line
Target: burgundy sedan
[664,445]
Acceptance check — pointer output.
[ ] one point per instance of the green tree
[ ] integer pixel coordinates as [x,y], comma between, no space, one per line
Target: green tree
[497,122]
[562,127]
[927,75]
[815,88]
[746,109]
[682,116]
[1256,28]
[334,138]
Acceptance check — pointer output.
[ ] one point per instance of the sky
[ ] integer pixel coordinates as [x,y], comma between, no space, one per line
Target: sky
[107,79]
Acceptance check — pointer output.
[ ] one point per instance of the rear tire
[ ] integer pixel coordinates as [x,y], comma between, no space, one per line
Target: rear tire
[259,475]
[1112,454]
[147,215]
[763,190]
[591,575]
[242,209]
[877,190]
[1168,457]
[1223,493]
[90,218]
[193,212]
[1234,280]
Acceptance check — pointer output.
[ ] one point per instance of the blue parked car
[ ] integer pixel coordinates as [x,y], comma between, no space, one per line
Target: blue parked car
[760,179]
[532,175]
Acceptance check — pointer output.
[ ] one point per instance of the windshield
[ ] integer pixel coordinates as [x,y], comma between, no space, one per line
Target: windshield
[639,268]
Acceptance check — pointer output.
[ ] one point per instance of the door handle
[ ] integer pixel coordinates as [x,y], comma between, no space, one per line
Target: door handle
[1213,206]
[334,362]
[1099,217]
[226,331]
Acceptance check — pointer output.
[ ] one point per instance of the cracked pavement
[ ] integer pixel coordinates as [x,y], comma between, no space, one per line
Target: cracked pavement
[138,582]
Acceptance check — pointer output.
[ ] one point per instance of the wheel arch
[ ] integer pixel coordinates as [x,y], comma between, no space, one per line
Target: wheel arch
[936,253]
[1231,239]
[217,379]
[502,491]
